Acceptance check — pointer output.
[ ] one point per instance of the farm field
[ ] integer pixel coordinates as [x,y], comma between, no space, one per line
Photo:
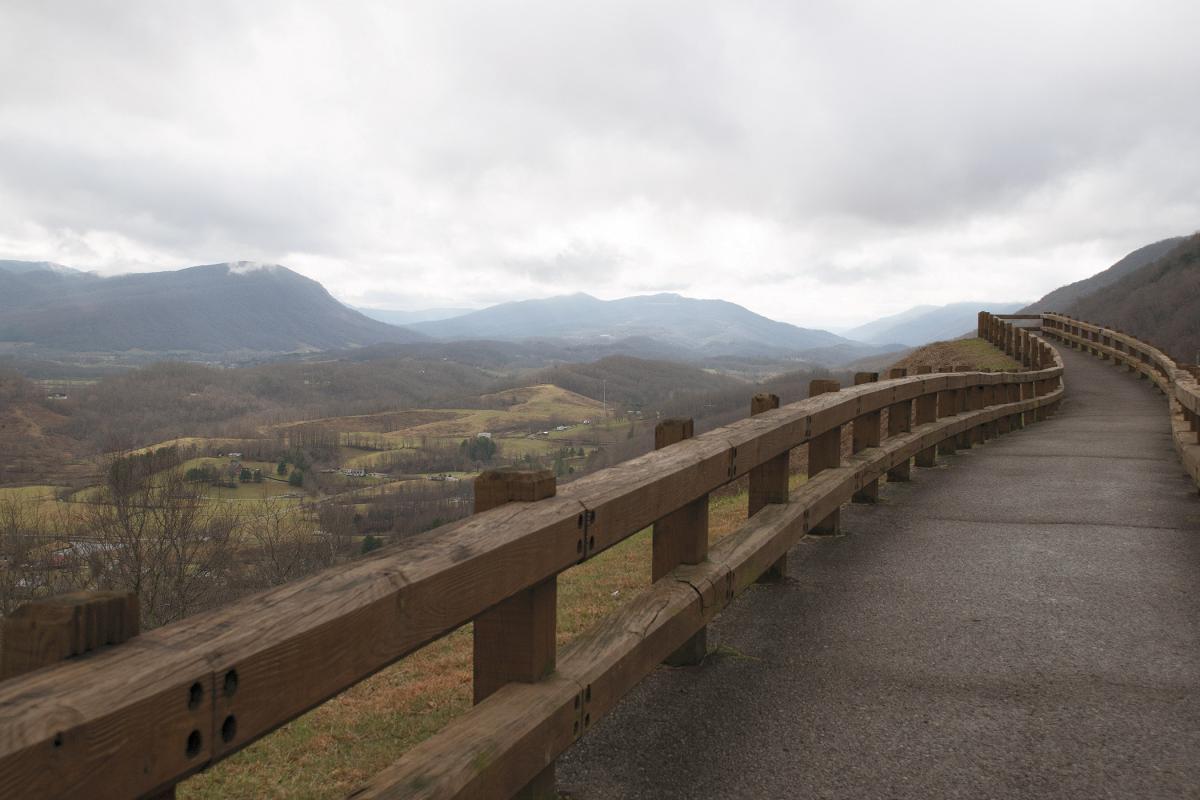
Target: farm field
[515,419]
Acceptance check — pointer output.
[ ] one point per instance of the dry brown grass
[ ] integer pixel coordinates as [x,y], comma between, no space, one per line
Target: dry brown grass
[975,353]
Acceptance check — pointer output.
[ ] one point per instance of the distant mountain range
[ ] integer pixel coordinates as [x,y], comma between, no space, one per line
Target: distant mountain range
[241,310]
[217,308]
[708,327]
[923,324]
[393,317]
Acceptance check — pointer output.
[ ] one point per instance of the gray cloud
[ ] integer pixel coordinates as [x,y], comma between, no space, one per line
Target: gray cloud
[820,162]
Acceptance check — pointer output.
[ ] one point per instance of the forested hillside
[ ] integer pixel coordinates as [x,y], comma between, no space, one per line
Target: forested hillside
[1064,296]
[1159,303]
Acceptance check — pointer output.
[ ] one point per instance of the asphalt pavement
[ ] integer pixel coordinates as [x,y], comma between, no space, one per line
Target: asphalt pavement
[1022,620]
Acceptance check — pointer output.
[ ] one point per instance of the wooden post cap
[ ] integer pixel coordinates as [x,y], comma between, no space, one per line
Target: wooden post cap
[670,431]
[763,401]
[509,484]
[47,631]
[865,377]
[897,372]
[822,386]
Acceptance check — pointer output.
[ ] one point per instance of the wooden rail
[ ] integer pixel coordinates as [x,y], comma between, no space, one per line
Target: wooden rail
[1178,382]
[134,719]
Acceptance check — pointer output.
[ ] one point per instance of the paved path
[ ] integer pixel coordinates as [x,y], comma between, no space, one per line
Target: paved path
[1022,621]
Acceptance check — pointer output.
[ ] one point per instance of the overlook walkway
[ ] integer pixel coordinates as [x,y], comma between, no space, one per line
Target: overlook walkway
[1025,623]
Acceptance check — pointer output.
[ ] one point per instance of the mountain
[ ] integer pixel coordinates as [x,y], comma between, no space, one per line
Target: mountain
[708,327]
[922,324]
[1062,297]
[1158,303]
[211,309]
[27,267]
[394,317]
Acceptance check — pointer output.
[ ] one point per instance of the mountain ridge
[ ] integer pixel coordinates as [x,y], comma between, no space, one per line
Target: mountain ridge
[1064,296]
[1158,302]
[926,323]
[211,308]
[713,327]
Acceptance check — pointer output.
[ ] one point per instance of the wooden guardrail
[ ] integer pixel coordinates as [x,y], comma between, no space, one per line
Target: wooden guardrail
[133,719]
[1177,381]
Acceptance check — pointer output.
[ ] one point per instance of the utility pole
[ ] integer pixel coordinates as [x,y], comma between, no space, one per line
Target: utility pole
[604,396]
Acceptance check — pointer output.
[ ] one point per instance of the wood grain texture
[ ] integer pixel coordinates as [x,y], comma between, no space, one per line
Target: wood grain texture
[290,648]
[900,421]
[680,537]
[514,640]
[926,411]
[769,483]
[825,452]
[50,630]
[963,397]
[947,406]
[866,431]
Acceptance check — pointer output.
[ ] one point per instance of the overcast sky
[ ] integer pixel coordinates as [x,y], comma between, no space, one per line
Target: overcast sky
[820,162]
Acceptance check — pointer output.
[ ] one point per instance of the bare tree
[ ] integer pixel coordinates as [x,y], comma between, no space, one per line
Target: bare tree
[35,559]
[282,544]
[155,537]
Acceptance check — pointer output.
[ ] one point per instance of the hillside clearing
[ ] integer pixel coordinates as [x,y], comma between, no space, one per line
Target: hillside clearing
[974,353]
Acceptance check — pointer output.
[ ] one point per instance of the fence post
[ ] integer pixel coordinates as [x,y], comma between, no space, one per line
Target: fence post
[1027,392]
[769,484]
[825,452]
[980,398]
[947,406]
[1016,394]
[926,411]
[865,432]
[515,639]
[965,439]
[44,632]
[899,421]
[681,537]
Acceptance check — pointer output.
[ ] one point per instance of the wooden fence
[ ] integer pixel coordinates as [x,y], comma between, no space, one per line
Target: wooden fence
[1177,381]
[133,719]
